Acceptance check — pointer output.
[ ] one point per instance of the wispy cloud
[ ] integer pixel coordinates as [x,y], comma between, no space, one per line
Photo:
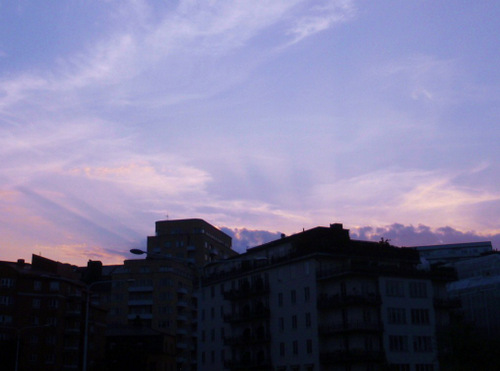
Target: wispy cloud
[424,78]
[320,17]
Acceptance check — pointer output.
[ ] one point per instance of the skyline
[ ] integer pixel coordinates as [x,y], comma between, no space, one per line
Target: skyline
[260,117]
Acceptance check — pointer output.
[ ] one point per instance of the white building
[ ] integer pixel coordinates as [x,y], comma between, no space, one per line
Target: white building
[321,301]
[448,253]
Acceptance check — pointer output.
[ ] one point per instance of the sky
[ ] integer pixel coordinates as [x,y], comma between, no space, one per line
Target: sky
[261,117]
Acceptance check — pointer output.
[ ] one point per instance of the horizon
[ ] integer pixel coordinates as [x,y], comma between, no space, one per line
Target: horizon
[260,117]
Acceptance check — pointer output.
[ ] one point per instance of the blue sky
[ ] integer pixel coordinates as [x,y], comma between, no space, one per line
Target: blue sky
[258,116]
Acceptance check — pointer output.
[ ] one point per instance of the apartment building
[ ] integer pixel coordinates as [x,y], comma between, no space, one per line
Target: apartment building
[160,291]
[42,317]
[454,252]
[318,300]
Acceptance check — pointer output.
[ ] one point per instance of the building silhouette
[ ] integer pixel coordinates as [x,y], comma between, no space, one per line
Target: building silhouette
[160,291]
[315,300]
[318,300]
[43,316]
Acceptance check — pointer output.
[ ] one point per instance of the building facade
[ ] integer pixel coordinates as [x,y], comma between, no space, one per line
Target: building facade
[318,300]
[43,316]
[454,252]
[160,292]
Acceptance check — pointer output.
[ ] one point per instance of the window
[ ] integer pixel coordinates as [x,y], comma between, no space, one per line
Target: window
[280,299]
[49,358]
[282,324]
[418,289]
[309,346]
[293,297]
[420,316]
[5,319]
[6,300]
[282,349]
[396,315]
[422,344]
[7,282]
[52,321]
[53,303]
[307,294]
[395,288]
[294,322]
[398,343]
[54,286]
[295,347]
[37,285]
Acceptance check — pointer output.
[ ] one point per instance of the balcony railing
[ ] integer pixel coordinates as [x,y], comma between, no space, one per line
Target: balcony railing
[248,291]
[249,364]
[351,327]
[334,301]
[354,356]
[248,316]
[247,340]
[447,303]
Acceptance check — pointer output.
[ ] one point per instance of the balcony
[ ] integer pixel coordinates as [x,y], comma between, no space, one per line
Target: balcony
[246,292]
[140,315]
[140,288]
[351,327]
[246,340]
[250,364]
[73,312]
[182,303]
[140,302]
[72,330]
[335,301]
[447,303]
[354,356]
[181,345]
[181,331]
[262,313]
